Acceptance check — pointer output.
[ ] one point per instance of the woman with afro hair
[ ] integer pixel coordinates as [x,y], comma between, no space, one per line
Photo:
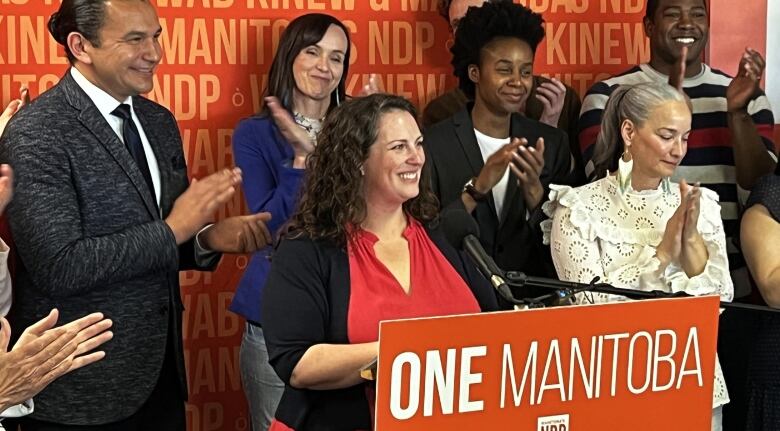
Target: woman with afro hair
[487,158]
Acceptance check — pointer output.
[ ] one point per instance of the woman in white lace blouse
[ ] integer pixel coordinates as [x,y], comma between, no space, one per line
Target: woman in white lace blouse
[632,227]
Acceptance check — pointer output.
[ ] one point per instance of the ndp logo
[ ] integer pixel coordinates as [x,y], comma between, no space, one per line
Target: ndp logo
[553,423]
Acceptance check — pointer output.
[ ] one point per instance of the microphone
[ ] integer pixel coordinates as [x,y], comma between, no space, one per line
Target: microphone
[462,231]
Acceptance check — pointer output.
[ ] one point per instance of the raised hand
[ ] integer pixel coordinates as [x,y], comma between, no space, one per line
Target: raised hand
[746,83]
[496,165]
[6,185]
[13,107]
[552,95]
[9,112]
[527,164]
[677,74]
[693,252]
[44,353]
[197,205]
[670,247]
[372,87]
[296,136]
[240,234]
[682,244]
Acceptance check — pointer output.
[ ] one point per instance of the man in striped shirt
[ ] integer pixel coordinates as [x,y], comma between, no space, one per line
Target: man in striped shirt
[731,142]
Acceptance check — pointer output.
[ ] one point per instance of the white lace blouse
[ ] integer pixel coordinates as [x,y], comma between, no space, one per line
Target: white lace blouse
[597,231]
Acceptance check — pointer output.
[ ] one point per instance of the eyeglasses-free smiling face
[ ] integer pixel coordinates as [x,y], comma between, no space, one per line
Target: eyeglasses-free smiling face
[504,76]
[395,161]
[318,68]
[123,64]
[678,23]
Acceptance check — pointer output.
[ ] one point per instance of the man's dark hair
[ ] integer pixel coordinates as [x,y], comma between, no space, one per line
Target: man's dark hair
[652,6]
[443,7]
[80,16]
[483,24]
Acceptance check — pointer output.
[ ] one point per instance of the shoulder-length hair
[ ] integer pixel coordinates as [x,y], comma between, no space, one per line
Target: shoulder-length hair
[332,198]
[304,31]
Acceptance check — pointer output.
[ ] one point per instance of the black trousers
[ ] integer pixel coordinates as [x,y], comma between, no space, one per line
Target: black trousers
[164,410]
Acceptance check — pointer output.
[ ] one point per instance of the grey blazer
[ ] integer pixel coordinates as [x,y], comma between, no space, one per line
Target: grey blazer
[89,237]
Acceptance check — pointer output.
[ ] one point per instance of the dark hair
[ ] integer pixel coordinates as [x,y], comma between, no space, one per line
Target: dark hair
[81,16]
[627,102]
[652,7]
[443,7]
[483,24]
[332,198]
[306,30]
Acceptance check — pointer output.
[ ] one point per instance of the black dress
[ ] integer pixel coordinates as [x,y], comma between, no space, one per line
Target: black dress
[764,368]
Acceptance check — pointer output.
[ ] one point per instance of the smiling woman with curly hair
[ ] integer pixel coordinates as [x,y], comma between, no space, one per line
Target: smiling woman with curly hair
[360,249]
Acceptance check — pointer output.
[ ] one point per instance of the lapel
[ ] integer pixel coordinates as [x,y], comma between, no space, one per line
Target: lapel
[511,207]
[155,141]
[464,130]
[94,121]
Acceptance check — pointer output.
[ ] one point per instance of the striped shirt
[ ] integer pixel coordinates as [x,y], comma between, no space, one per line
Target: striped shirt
[710,157]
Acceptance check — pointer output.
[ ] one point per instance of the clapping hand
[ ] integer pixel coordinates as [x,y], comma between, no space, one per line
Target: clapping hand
[372,87]
[13,107]
[745,84]
[296,136]
[677,74]
[44,353]
[527,164]
[496,165]
[552,95]
[682,243]
[239,234]
[194,208]
[6,185]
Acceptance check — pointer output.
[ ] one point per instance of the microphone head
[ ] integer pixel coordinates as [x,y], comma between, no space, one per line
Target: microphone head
[457,224]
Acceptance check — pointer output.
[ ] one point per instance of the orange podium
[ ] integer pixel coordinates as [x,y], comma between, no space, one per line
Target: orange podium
[639,365]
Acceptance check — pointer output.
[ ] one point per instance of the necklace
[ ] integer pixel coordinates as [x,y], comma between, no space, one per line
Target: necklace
[312,126]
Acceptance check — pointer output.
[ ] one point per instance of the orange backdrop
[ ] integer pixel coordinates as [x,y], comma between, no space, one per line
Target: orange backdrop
[216,57]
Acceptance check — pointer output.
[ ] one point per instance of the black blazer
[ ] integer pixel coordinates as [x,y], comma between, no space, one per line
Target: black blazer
[453,156]
[90,237]
[306,303]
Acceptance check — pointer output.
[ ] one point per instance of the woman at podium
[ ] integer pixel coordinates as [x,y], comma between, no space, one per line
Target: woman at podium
[361,248]
[633,227]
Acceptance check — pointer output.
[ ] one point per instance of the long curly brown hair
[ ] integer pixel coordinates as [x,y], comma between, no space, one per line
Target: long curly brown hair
[332,197]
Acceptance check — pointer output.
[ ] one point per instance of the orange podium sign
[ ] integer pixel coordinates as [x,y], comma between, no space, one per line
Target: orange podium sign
[640,365]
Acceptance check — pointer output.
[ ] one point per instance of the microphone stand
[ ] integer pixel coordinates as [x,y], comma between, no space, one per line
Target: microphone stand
[566,289]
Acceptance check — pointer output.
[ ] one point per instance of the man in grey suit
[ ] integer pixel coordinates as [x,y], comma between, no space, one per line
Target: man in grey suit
[104,218]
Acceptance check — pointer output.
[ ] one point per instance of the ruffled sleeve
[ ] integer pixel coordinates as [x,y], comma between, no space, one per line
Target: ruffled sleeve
[715,279]
[575,233]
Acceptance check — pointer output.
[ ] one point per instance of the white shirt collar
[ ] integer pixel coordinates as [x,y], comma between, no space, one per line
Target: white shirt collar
[104,102]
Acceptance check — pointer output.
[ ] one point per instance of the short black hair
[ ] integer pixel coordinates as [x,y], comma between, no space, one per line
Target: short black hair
[483,24]
[443,7]
[652,7]
[81,16]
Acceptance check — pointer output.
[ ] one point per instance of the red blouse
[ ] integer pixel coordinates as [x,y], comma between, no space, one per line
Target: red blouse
[375,295]
[436,287]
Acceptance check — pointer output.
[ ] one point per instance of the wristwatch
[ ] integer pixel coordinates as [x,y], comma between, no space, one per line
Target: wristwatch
[471,188]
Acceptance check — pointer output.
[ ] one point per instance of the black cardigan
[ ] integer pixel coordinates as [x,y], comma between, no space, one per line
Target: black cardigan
[306,303]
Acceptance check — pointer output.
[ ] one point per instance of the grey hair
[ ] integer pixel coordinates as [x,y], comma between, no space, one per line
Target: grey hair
[627,102]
